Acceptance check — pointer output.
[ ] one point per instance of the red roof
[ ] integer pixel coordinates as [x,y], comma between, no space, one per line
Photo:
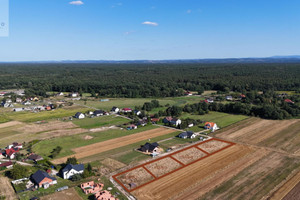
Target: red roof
[155,119]
[288,101]
[11,151]
[6,164]
[242,96]
[127,109]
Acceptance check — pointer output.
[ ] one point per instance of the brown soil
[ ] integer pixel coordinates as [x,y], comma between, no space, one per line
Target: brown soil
[59,133]
[162,166]
[50,126]
[137,176]
[6,189]
[63,195]
[289,190]
[189,155]
[100,147]
[8,124]
[212,146]
[113,164]
[174,184]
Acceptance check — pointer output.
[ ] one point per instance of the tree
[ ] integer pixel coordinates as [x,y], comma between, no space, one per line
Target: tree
[72,160]
[18,172]
[89,168]
[56,151]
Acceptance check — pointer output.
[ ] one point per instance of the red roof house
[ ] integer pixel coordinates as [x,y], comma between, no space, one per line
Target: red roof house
[7,164]
[10,153]
[289,101]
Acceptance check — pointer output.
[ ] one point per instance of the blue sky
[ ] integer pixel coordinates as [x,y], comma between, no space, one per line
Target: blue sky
[150,29]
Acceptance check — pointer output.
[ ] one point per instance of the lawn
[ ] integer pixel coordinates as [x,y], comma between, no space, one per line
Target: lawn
[222,119]
[100,121]
[44,115]
[132,102]
[45,147]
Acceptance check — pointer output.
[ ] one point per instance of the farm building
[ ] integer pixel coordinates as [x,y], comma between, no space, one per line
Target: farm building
[187,134]
[70,170]
[149,148]
[210,125]
[126,110]
[79,115]
[42,179]
[7,165]
[35,157]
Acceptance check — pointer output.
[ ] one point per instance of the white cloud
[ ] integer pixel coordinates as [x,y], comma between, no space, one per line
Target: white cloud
[129,32]
[150,23]
[78,3]
[117,5]
[189,11]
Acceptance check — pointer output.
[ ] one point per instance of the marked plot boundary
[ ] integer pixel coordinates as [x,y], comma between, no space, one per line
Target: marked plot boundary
[115,177]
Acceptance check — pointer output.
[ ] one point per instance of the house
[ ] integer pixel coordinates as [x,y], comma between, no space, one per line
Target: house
[229,98]
[210,125]
[187,134]
[137,112]
[18,100]
[7,165]
[289,101]
[104,195]
[188,93]
[8,101]
[70,170]
[190,125]
[126,110]
[142,122]
[104,100]
[242,96]
[26,103]
[98,113]
[115,109]
[11,153]
[15,145]
[154,120]
[74,94]
[61,94]
[172,121]
[7,105]
[18,109]
[209,100]
[79,115]
[131,126]
[43,179]
[35,157]
[149,148]
[91,187]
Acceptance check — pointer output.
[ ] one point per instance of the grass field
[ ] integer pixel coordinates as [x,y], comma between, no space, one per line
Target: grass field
[100,121]
[69,142]
[132,102]
[222,119]
[44,115]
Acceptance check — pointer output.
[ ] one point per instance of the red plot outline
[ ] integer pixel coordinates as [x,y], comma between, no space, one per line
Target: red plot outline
[170,155]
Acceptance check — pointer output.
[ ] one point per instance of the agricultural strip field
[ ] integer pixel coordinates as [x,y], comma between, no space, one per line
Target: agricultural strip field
[6,189]
[100,147]
[165,166]
[179,184]
[89,123]
[290,190]
[283,135]
[63,195]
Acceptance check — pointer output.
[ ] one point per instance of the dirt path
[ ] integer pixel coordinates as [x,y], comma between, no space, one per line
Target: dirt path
[8,124]
[6,189]
[100,147]
[178,185]
[285,190]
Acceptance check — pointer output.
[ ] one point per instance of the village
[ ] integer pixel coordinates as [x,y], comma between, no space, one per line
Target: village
[103,137]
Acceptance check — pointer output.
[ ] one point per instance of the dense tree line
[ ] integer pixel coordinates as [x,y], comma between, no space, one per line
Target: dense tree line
[148,80]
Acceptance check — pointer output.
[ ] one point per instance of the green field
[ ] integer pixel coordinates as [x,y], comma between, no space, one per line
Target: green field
[67,143]
[222,119]
[100,121]
[40,116]
[132,102]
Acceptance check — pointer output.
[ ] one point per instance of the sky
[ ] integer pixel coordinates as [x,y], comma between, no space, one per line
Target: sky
[44,30]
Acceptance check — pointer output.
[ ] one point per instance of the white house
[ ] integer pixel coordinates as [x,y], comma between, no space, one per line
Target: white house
[115,109]
[79,115]
[212,126]
[176,121]
[70,170]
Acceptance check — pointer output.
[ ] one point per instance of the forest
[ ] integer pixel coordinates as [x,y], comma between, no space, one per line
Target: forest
[147,80]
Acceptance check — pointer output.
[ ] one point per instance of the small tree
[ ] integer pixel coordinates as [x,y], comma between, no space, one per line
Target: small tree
[72,160]
[89,168]
[19,171]
[76,177]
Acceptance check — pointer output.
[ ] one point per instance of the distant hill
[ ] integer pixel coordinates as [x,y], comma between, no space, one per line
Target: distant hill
[273,59]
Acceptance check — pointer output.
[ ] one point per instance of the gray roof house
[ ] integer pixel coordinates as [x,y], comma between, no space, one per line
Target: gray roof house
[70,170]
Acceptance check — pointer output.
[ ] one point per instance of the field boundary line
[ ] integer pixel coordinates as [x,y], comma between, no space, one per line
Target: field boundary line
[115,177]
